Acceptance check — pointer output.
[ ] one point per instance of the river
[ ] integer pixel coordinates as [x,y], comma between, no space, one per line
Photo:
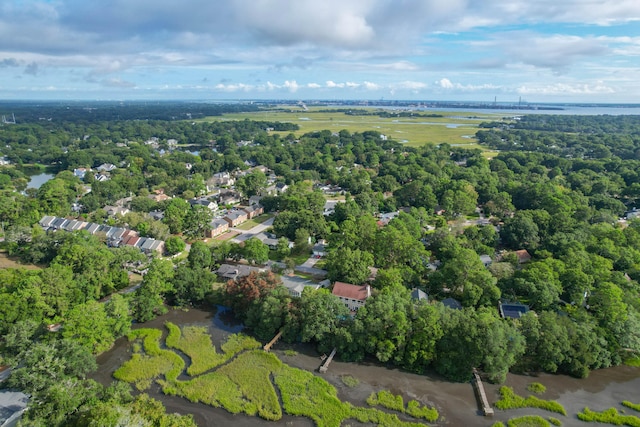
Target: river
[455,401]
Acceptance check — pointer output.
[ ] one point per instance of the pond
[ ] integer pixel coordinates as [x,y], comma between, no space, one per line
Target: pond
[455,401]
[36,181]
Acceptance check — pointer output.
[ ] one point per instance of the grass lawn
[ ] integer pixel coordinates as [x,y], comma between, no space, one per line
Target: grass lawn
[456,128]
[248,225]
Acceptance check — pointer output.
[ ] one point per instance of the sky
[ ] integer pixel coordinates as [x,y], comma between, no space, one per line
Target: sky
[461,50]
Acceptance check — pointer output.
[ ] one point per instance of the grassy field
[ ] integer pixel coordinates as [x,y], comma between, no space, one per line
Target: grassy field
[248,225]
[244,380]
[456,128]
[7,262]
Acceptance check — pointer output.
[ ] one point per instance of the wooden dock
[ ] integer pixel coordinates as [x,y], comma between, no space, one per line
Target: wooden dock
[325,364]
[487,410]
[275,339]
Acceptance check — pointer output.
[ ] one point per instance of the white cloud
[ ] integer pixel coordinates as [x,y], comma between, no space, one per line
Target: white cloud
[555,89]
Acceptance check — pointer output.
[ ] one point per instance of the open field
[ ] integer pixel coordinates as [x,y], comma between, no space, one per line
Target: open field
[248,225]
[10,262]
[457,128]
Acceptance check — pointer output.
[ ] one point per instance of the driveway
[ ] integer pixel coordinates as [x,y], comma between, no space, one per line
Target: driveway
[247,234]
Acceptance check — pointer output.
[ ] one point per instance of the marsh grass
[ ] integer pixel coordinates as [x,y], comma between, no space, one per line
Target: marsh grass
[536,388]
[510,400]
[609,416]
[388,400]
[634,406]
[349,380]
[246,384]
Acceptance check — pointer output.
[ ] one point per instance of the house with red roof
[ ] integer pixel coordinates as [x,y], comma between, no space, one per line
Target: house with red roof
[353,296]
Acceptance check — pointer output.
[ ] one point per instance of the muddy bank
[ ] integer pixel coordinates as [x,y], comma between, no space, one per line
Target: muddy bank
[455,402]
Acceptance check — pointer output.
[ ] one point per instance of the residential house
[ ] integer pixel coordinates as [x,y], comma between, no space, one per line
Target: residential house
[353,296]
[236,217]
[102,177]
[419,295]
[296,285]
[229,198]
[12,405]
[486,260]
[116,210]
[320,249]
[232,272]
[253,211]
[512,310]
[281,187]
[270,240]
[452,303]
[81,172]
[254,200]
[218,226]
[224,179]
[106,167]
[523,256]
[212,206]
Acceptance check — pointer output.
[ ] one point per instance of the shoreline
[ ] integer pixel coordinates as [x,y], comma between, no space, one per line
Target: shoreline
[456,402]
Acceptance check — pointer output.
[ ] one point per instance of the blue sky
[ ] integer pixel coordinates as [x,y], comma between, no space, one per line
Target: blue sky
[540,51]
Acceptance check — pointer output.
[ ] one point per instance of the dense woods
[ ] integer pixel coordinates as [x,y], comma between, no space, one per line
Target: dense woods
[558,189]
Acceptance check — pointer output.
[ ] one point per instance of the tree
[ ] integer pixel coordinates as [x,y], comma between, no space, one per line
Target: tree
[118,312]
[268,315]
[348,265]
[321,314]
[89,326]
[190,286]
[199,256]
[255,251]
[174,245]
[175,214]
[241,293]
[251,183]
[425,331]
[148,299]
[197,221]
[282,248]
[386,316]
[520,231]
[467,277]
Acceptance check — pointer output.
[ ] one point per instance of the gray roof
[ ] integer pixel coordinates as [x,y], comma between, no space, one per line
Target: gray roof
[419,295]
[235,271]
[12,405]
[218,222]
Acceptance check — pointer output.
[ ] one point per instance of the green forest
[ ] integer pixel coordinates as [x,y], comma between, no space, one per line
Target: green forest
[563,188]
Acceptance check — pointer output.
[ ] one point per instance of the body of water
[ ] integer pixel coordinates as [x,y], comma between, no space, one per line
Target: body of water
[456,402]
[37,180]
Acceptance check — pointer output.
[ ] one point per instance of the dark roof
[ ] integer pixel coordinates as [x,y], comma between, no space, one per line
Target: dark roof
[512,310]
[452,303]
